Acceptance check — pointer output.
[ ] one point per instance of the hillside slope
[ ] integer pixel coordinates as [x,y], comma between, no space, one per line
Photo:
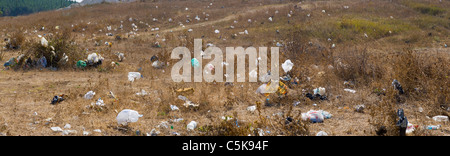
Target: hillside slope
[353,49]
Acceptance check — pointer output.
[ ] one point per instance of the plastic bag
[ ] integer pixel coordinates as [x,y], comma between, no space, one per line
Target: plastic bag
[287,65]
[316,116]
[127,116]
[89,95]
[133,75]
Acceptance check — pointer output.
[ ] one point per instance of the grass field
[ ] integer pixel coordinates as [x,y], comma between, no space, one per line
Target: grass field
[375,43]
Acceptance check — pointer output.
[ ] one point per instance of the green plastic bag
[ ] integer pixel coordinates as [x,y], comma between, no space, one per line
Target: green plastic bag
[81,64]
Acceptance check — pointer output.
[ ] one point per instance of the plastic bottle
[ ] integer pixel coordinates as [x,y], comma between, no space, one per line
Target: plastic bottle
[433,127]
[192,125]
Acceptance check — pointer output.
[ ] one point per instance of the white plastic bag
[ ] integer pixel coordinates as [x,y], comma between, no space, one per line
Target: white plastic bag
[287,65]
[133,75]
[127,116]
[89,95]
[316,116]
[251,108]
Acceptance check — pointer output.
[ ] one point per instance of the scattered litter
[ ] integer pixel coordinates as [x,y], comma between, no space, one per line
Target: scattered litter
[97,130]
[94,59]
[89,95]
[44,41]
[410,128]
[192,125]
[134,76]
[57,99]
[121,56]
[81,64]
[67,126]
[320,91]
[287,65]
[127,116]
[216,31]
[227,118]
[67,132]
[322,133]
[177,120]
[316,116]
[111,95]
[296,103]
[100,102]
[181,97]
[189,104]
[251,108]
[397,86]
[440,118]
[195,63]
[350,90]
[174,108]
[360,108]
[56,129]
[142,93]
[433,127]
[182,90]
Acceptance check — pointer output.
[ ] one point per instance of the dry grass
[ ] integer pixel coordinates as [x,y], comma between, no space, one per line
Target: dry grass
[409,54]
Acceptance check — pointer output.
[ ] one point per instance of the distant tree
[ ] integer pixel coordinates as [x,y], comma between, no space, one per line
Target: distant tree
[22,7]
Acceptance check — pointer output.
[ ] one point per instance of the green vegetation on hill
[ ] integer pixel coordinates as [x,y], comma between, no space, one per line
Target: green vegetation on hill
[23,7]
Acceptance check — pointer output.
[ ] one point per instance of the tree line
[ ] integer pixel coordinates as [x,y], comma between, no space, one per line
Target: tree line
[24,7]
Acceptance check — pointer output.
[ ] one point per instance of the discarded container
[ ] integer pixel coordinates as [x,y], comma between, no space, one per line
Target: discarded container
[433,127]
[89,95]
[134,76]
[127,116]
[192,125]
[440,118]
[287,65]
[216,31]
